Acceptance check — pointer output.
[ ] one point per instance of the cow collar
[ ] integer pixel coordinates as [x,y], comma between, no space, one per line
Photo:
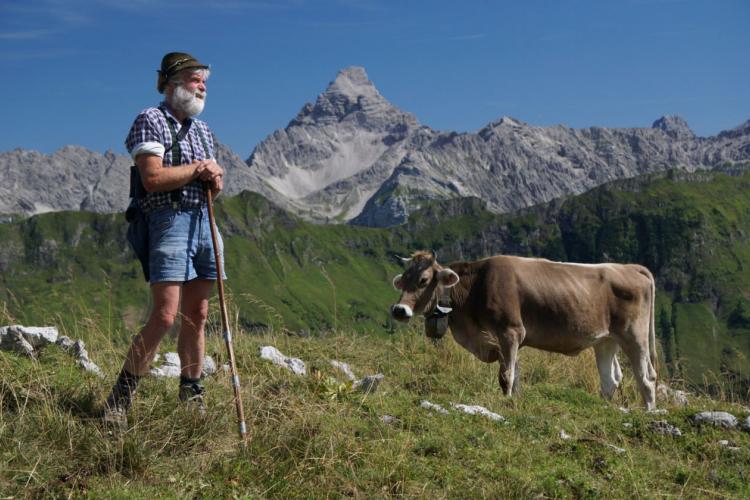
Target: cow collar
[443,307]
[436,323]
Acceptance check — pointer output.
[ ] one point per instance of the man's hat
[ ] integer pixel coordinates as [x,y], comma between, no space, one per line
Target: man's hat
[173,63]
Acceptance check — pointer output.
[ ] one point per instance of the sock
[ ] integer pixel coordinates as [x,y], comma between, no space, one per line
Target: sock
[189,388]
[188,381]
[123,390]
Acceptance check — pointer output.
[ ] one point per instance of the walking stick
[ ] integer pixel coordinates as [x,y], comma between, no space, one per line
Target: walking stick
[225,320]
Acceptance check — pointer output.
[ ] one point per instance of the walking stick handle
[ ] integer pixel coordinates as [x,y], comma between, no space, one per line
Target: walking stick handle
[225,318]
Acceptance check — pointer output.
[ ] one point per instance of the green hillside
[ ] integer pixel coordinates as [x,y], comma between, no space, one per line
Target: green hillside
[692,230]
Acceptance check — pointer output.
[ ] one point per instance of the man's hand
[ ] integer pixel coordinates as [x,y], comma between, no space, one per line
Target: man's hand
[216,185]
[208,171]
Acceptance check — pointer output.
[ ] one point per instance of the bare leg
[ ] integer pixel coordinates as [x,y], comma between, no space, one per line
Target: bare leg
[191,345]
[166,298]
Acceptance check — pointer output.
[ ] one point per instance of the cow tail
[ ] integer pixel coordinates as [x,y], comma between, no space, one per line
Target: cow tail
[652,330]
[652,324]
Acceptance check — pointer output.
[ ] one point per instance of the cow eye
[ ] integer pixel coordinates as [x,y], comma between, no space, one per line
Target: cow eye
[423,282]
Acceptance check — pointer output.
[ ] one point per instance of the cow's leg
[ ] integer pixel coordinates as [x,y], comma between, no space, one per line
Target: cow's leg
[516,379]
[636,348]
[610,374]
[617,371]
[510,340]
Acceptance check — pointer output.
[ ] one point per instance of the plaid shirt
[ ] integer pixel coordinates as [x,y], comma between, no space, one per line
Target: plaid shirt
[150,126]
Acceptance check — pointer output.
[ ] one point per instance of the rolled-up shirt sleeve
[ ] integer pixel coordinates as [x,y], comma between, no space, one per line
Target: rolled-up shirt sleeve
[145,137]
[151,148]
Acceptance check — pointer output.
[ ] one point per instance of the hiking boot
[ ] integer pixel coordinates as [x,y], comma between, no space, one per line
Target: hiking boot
[114,415]
[192,394]
[115,419]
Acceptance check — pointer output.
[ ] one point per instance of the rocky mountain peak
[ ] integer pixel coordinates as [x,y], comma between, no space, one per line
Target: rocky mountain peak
[353,82]
[738,131]
[351,92]
[675,126]
[504,123]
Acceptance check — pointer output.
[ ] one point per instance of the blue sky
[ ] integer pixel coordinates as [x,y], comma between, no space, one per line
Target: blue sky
[77,72]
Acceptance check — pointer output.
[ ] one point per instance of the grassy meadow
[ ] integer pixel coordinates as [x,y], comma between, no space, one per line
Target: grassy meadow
[315,436]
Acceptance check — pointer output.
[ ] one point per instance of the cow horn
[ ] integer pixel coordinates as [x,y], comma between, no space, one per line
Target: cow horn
[404,259]
[434,254]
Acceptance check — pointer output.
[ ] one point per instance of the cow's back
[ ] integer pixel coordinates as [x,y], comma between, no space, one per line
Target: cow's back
[564,307]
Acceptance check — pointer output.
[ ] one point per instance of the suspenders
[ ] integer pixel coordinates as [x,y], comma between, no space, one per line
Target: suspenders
[175,196]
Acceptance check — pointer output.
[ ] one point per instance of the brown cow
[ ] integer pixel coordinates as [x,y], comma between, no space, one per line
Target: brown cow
[496,305]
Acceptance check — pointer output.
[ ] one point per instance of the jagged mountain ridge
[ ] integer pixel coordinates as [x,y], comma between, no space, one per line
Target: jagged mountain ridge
[353,156]
[75,178]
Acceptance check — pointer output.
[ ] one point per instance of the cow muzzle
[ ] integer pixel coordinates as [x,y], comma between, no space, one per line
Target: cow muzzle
[401,312]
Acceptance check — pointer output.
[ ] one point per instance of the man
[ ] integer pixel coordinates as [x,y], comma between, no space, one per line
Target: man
[174,172]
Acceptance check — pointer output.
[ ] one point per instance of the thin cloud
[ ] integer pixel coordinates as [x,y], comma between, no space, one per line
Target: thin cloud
[474,36]
[41,20]
[339,25]
[457,38]
[26,55]
[25,34]
[365,5]
[226,5]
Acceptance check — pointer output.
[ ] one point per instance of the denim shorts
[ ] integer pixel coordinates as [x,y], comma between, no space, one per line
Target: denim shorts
[180,245]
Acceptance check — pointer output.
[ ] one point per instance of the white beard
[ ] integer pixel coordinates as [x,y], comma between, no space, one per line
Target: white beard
[185,102]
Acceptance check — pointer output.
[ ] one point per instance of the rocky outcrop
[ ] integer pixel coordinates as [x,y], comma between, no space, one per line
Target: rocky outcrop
[29,340]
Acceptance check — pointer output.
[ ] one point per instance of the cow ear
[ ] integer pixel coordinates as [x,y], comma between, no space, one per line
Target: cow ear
[397,282]
[448,277]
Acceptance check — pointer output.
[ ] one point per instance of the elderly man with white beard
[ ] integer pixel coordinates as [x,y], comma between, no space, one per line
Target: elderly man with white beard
[175,166]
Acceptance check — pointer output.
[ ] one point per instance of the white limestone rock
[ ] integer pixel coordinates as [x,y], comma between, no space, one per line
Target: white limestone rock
[675,396]
[617,449]
[478,410]
[664,427]
[170,366]
[275,356]
[209,366]
[729,445]
[433,407]
[66,343]
[91,367]
[716,418]
[168,371]
[79,350]
[12,340]
[171,358]
[37,336]
[344,368]
[25,339]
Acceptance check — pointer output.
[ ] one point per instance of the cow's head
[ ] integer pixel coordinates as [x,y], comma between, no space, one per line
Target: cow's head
[421,285]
